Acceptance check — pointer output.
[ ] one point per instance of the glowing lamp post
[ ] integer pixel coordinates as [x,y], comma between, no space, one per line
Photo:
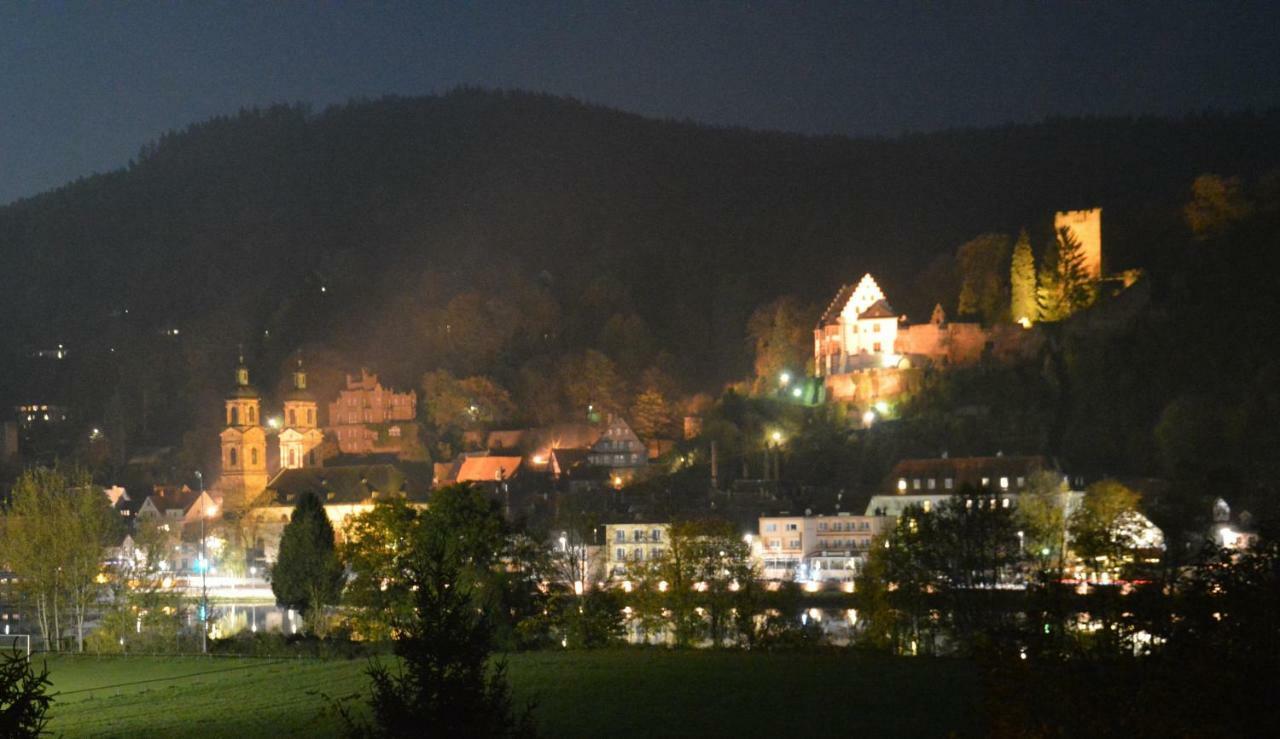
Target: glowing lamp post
[205,512]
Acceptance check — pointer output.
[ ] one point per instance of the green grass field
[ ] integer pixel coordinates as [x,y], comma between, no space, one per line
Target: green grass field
[615,694]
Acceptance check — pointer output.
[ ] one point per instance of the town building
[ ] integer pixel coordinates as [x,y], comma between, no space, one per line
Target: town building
[181,505]
[620,451]
[816,550]
[244,443]
[345,491]
[628,544]
[929,483]
[367,418]
[301,439]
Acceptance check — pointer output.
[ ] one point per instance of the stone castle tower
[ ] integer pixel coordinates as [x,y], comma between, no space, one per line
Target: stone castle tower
[244,443]
[1086,226]
[301,438]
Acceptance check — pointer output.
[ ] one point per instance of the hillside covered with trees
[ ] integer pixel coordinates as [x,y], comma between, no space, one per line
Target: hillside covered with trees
[541,252]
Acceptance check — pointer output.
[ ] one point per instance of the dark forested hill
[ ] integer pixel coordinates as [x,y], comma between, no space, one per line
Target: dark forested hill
[495,232]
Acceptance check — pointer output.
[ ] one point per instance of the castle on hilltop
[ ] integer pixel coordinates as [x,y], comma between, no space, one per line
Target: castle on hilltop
[865,352]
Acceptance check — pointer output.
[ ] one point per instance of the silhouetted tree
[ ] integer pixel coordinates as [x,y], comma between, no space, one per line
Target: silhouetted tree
[307,575]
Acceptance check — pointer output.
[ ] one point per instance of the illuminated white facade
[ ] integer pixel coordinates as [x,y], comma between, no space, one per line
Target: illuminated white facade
[857,330]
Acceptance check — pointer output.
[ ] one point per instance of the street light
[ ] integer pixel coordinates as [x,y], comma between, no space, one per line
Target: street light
[204,568]
[785,378]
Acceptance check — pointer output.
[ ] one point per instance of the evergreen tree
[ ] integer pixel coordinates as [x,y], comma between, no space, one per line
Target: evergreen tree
[308,575]
[1022,281]
[24,696]
[1065,287]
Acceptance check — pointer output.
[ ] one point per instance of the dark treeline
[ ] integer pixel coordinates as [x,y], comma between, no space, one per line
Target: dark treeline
[506,234]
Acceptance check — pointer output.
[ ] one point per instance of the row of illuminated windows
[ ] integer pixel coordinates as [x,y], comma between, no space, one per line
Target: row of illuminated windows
[931,483]
[637,554]
[250,416]
[845,526]
[233,457]
[772,527]
[777,543]
[927,505]
[620,535]
[858,543]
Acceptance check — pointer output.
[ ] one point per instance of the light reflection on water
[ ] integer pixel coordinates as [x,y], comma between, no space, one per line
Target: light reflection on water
[228,619]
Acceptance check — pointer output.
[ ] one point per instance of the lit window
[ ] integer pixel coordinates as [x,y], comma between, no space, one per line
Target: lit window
[1022,481]
[902,483]
[986,481]
[933,483]
[1004,483]
[948,483]
[915,484]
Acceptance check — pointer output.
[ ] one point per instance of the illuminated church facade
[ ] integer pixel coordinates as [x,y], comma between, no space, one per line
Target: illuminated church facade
[244,465]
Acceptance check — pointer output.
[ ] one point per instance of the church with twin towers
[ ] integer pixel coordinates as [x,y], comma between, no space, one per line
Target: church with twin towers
[244,437]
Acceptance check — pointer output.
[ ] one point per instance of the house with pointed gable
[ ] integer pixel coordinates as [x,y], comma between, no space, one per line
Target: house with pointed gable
[865,352]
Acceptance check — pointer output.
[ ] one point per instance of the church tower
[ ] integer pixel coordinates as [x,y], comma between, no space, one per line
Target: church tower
[244,443]
[301,439]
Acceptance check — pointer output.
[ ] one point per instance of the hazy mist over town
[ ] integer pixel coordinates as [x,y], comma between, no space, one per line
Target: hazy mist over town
[583,369]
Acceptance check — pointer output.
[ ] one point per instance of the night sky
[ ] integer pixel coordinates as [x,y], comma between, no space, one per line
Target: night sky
[82,87]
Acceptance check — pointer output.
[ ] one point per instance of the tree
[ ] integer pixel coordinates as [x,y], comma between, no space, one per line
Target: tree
[651,415]
[55,530]
[1064,285]
[1022,281]
[1101,528]
[445,685]
[781,334]
[308,576]
[377,550]
[1216,203]
[23,697]
[704,567]
[147,611]
[982,269]
[1042,516]
[591,381]
[471,402]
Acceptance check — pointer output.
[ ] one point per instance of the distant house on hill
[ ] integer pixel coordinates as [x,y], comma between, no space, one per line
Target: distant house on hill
[620,451]
[367,418]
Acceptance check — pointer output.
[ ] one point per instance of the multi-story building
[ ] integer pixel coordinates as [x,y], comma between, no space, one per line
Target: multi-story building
[367,418]
[816,550]
[631,543]
[620,451]
[930,482]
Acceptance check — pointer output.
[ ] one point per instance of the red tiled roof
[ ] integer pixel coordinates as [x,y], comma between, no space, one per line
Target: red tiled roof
[488,468]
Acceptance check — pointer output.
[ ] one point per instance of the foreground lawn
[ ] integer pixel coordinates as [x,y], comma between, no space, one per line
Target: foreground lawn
[622,693]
